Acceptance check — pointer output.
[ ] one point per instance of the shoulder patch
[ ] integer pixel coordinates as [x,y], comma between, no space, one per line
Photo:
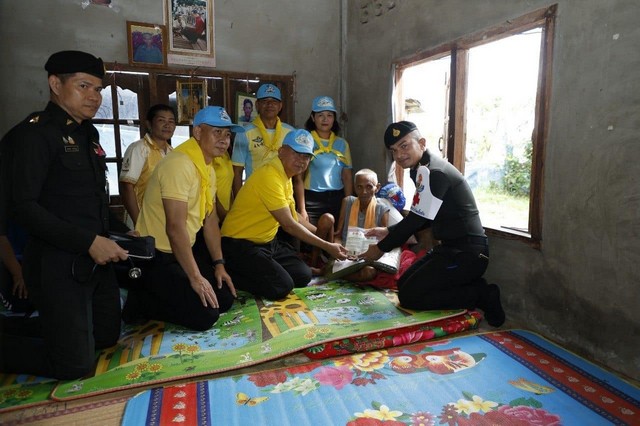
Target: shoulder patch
[38,117]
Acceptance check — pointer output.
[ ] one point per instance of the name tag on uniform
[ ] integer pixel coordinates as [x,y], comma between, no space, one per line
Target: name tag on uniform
[70,144]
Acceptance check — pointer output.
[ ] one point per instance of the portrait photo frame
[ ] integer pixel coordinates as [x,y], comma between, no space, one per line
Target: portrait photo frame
[191,32]
[191,97]
[147,44]
[241,114]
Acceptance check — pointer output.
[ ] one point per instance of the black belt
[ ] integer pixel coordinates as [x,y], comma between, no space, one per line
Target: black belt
[469,239]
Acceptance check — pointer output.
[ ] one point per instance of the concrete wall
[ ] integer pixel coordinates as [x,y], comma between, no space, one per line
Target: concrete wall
[582,288]
[266,36]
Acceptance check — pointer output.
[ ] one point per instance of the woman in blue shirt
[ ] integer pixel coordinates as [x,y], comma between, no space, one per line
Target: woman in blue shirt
[328,179]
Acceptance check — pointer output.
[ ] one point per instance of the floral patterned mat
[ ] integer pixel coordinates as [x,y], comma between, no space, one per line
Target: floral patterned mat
[500,378]
[251,332]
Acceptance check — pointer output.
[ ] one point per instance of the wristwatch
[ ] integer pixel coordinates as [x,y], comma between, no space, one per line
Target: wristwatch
[218,262]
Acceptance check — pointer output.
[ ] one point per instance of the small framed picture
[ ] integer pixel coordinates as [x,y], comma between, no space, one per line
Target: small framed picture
[191,98]
[147,44]
[191,32]
[245,108]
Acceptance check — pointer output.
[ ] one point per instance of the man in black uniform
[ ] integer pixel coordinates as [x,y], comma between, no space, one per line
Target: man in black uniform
[57,191]
[450,275]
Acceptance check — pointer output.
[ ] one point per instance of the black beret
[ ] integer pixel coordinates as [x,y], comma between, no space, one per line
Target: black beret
[72,61]
[396,131]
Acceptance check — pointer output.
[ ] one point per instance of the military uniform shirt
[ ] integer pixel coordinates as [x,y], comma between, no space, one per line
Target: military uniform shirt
[61,197]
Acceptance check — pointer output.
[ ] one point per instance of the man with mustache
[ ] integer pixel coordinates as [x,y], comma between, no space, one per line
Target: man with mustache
[54,172]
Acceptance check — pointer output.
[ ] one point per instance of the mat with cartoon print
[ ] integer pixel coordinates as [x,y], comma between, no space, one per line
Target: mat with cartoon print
[251,332]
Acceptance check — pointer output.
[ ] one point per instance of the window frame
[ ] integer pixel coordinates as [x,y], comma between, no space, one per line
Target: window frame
[149,82]
[455,130]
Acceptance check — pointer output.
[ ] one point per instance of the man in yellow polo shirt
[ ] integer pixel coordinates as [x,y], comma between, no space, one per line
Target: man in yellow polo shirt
[259,262]
[186,283]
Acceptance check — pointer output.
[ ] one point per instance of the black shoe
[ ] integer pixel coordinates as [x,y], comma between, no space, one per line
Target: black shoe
[132,312]
[490,303]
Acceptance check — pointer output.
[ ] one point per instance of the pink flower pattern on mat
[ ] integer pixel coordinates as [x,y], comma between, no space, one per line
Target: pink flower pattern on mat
[411,337]
[338,377]
[533,416]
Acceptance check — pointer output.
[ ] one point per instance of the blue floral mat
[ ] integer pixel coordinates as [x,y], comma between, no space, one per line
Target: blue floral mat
[500,378]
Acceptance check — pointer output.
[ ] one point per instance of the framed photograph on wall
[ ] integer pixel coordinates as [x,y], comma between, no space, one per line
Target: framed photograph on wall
[245,108]
[191,97]
[147,44]
[190,25]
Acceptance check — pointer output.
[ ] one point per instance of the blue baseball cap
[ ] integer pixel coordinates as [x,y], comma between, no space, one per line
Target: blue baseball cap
[216,116]
[323,103]
[268,91]
[300,141]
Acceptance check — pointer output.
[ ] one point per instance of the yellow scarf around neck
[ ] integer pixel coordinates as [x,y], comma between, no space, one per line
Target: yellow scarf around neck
[322,149]
[369,216]
[271,141]
[191,148]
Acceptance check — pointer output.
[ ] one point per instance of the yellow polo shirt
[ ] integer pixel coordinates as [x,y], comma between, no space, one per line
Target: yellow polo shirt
[224,177]
[174,178]
[267,189]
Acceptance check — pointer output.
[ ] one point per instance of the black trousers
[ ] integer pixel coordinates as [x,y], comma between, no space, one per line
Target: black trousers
[445,278]
[79,312]
[269,270]
[165,294]
[319,203]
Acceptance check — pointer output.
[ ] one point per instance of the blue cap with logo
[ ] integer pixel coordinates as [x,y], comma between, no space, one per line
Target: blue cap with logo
[216,116]
[300,141]
[323,103]
[268,91]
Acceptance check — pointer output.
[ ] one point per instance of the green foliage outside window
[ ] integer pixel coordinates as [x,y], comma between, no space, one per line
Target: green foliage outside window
[517,173]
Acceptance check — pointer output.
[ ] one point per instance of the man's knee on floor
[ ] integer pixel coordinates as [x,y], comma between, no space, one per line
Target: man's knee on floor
[202,320]
[302,276]
[408,301]
[277,292]
[107,342]
[107,338]
[66,371]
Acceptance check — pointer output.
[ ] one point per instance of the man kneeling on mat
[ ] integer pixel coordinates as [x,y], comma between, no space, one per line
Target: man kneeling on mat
[259,262]
[186,283]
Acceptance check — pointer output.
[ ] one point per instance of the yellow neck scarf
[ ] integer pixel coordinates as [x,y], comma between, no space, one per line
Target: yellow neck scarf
[271,141]
[369,216]
[193,151]
[322,149]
